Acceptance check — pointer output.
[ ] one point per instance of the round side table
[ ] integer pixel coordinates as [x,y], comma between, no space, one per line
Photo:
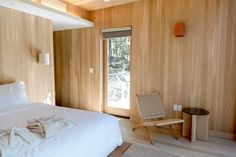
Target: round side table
[195,123]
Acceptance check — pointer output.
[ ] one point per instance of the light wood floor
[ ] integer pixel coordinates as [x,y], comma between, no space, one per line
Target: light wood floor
[217,147]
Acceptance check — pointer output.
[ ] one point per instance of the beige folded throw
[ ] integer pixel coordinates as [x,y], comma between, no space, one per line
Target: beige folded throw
[50,126]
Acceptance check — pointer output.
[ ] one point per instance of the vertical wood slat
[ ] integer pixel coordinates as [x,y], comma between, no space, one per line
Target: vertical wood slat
[22,38]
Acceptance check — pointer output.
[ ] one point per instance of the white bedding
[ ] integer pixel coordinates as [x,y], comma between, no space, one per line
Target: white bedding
[96,134]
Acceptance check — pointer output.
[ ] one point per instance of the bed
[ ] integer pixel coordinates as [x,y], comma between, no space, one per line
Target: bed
[95,135]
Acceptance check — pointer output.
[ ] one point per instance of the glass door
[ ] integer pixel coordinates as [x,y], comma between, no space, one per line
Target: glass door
[117,75]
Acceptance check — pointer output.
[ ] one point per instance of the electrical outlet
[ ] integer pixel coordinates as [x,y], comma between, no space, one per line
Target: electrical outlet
[175,107]
[179,108]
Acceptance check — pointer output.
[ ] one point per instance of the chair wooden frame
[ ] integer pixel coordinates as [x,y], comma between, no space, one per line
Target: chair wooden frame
[152,122]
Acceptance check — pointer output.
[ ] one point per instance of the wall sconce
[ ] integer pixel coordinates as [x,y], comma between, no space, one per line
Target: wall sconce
[180,29]
[44,58]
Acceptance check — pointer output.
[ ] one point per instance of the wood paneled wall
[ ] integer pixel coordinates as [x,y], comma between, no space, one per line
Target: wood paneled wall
[196,70]
[72,9]
[75,87]
[22,38]
[77,11]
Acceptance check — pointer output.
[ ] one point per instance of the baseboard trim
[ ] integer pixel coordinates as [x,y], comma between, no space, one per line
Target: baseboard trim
[222,135]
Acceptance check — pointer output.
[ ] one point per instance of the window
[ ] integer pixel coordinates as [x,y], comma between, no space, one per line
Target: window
[118,87]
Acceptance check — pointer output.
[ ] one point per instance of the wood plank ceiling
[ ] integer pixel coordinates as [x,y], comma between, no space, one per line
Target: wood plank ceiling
[98,4]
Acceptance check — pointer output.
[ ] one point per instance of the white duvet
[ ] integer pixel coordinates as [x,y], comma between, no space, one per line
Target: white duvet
[96,134]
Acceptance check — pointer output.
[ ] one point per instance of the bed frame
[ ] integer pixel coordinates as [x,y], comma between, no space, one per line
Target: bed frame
[119,151]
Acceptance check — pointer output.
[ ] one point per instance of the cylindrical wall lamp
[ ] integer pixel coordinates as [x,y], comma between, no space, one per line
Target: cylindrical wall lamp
[180,29]
[44,58]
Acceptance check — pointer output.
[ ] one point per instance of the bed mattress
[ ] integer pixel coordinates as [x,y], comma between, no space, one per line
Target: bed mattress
[95,135]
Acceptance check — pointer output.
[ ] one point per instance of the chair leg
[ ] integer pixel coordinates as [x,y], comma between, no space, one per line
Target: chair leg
[149,134]
[137,127]
[173,132]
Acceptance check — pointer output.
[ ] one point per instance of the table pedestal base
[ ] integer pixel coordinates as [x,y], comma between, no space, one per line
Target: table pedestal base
[195,127]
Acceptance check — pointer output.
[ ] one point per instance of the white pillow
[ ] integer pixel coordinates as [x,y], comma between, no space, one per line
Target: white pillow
[13,94]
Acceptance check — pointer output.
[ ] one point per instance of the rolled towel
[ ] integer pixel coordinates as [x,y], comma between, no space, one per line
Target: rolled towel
[16,140]
[50,126]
